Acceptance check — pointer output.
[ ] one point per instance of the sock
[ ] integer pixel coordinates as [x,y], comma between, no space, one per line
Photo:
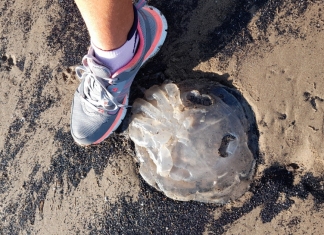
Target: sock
[115,59]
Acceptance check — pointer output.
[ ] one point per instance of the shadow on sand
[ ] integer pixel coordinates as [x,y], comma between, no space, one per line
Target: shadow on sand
[153,212]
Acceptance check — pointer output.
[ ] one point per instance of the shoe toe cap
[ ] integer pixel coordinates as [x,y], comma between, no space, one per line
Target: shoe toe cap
[85,125]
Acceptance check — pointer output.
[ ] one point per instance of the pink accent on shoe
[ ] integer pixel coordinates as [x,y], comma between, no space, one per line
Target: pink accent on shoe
[159,28]
[116,122]
[136,57]
[115,59]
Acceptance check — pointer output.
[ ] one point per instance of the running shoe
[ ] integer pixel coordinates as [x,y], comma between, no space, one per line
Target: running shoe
[101,100]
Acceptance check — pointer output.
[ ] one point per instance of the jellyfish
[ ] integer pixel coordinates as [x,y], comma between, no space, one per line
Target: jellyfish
[191,141]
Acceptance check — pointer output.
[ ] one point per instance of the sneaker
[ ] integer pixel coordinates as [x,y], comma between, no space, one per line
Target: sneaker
[101,100]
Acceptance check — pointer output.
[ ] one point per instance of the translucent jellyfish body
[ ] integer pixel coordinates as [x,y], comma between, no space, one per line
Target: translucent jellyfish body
[192,142]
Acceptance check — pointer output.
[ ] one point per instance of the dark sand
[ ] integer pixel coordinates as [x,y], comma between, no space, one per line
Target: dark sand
[270,51]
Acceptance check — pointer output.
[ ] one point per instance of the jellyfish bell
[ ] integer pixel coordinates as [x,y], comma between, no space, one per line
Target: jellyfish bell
[192,142]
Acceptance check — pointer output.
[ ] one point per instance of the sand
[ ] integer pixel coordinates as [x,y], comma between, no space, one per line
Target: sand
[270,51]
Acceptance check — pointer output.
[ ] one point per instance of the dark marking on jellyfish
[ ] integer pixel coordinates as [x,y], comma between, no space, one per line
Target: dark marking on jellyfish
[206,100]
[224,145]
[196,98]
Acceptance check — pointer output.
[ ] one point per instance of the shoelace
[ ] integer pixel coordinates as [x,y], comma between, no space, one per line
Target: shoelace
[94,90]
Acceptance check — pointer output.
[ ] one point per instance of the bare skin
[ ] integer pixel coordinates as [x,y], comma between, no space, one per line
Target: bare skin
[108,21]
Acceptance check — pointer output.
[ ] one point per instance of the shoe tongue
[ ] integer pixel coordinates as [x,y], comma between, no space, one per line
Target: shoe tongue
[98,95]
[99,70]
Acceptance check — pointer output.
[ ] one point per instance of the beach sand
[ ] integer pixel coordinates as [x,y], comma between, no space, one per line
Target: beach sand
[270,51]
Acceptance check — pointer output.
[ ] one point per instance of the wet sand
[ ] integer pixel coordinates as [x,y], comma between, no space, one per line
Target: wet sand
[270,51]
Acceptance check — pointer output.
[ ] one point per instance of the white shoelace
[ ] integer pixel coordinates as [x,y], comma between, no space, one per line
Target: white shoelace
[94,91]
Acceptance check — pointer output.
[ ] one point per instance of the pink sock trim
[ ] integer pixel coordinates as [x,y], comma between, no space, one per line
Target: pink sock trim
[118,58]
[136,56]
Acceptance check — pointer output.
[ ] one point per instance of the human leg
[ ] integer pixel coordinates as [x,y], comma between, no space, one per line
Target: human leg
[101,100]
[108,21]
[111,25]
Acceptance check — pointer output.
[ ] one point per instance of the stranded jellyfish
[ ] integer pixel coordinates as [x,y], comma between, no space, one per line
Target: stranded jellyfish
[192,141]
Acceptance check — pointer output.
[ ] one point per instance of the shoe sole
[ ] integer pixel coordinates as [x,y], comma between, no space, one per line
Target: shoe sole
[154,52]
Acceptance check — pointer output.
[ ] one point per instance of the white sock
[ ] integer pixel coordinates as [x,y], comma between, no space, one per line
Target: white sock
[118,58]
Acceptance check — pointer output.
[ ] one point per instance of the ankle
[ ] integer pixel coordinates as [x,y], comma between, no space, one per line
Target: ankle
[117,58]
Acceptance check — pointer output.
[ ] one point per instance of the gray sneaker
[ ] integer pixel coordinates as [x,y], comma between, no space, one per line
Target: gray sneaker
[101,100]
